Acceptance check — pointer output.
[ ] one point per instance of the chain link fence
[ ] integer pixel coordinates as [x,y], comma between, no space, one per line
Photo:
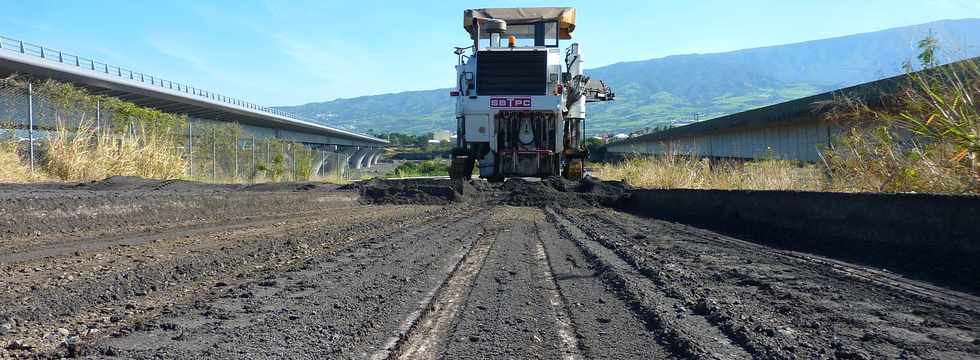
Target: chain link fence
[58,131]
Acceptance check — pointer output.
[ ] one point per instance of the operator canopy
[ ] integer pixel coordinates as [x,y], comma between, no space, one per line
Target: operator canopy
[565,16]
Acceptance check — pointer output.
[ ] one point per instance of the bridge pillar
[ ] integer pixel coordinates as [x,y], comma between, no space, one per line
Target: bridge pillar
[357,160]
[334,160]
[369,158]
[340,161]
[377,156]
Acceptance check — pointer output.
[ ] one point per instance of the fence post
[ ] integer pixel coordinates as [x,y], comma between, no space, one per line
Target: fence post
[30,116]
[98,114]
[254,170]
[190,147]
[214,153]
[238,142]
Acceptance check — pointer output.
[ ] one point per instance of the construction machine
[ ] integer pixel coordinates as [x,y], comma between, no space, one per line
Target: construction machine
[520,106]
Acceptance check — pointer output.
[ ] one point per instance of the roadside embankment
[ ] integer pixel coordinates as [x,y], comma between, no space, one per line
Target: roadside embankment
[935,237]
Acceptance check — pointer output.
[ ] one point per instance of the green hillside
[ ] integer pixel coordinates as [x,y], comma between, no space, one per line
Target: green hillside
[675,88]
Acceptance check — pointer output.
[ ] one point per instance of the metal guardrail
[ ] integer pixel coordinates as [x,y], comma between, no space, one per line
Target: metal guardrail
[59,56]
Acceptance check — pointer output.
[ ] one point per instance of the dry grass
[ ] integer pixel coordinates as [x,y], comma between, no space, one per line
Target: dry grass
[926,140]
[12,169]
[85,154]
[334,177]
[685,172]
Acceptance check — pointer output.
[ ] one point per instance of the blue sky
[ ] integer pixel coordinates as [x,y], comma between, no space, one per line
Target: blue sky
[293,52]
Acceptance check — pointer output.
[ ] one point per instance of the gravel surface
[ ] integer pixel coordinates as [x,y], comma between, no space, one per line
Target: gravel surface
[131,268]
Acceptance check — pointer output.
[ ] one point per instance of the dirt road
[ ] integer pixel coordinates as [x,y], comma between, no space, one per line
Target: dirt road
[129,268]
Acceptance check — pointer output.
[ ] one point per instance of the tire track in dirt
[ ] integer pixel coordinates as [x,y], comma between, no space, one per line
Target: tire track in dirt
[604,326]
[423,332]
[835,268]
[781,305]
[124,294]
[71,244]
[688,333]
[29,219]
[559,306]
[348,302]
[508,313]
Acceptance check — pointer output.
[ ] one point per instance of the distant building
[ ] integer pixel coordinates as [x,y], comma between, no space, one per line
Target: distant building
[443,135]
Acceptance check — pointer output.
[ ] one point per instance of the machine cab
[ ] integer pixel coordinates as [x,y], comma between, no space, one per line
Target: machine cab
[513,110]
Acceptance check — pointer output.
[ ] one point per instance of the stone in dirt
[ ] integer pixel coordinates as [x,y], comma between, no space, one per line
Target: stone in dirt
[18,345]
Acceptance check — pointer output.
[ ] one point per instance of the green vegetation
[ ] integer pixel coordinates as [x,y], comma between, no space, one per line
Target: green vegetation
[83,153]
[133,141]
[435,167]
[399,139]
[89,137]
[926,138]
[675,88]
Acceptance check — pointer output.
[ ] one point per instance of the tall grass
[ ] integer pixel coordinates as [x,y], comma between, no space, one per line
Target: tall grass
[140,141]
[12,169]
[923,138]
[926,138]
[84,153]
[687,172]
[335,176]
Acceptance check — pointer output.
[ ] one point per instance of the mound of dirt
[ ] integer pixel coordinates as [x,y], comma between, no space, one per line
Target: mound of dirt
[520,192]
[606,193]
[556,192]
[291,186]
[130,183]
[135,183]
[413,191]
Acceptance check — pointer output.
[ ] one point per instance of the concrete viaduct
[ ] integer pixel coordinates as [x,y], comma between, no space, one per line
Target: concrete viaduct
[347,149]
[793,130]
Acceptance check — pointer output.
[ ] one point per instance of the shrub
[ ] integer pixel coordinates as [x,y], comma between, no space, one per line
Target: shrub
[926,138]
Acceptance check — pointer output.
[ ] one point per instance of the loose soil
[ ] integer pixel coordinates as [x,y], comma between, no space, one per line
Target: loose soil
[133,268]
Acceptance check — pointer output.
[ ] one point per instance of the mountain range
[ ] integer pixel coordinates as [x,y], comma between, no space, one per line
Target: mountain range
[678,89]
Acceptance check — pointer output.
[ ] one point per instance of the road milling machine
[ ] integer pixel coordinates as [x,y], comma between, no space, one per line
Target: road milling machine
[519,112]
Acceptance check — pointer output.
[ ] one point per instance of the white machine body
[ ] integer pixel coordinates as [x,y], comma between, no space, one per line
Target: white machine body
[518,113]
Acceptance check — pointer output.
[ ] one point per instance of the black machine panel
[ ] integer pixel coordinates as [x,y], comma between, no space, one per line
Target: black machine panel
[511,73]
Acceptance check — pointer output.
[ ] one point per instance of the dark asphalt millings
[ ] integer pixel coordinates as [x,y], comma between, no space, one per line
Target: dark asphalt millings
[423,269]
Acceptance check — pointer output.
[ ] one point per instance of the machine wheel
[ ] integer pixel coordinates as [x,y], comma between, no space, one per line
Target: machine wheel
[461,167]
[468,167]
[575,169]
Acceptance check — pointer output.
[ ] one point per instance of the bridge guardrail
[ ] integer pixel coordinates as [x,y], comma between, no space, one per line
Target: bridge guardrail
[58,56]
